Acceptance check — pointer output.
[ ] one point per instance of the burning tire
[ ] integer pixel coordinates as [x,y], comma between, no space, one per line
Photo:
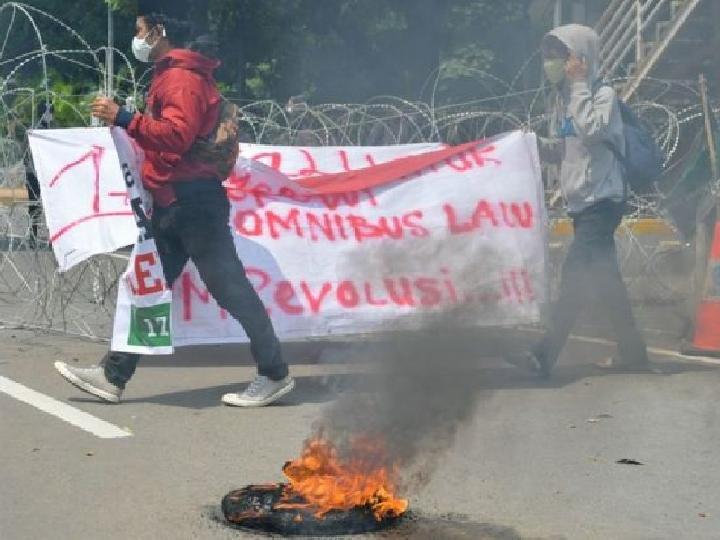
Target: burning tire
[261,508]
[326,494]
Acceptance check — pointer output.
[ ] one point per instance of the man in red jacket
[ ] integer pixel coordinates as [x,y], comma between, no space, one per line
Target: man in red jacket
[191,209]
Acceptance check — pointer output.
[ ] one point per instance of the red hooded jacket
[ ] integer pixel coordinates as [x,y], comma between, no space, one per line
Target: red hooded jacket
[183,104]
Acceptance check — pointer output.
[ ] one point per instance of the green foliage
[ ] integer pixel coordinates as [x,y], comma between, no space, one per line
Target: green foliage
[127,6]
[72,103]
[339,50]
[260,78]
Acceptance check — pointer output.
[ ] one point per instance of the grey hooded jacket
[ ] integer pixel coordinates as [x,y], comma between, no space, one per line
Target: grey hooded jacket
[581,126]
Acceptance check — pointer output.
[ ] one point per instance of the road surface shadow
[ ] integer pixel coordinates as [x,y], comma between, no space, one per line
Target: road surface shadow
[325,388]
[307,390]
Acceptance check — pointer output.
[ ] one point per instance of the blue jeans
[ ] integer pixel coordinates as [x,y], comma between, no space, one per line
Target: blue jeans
[196,227]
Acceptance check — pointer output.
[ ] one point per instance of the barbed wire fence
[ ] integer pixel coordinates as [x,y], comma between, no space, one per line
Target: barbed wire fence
[82,301]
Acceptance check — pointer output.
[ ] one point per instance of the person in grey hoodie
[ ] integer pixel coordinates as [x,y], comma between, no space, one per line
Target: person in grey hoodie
[585,123]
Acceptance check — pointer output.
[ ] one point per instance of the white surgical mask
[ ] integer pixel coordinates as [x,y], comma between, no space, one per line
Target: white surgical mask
[142,49]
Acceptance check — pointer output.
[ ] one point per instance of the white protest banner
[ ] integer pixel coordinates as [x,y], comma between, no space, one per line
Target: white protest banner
[144,300]
[83,194]
[466,234]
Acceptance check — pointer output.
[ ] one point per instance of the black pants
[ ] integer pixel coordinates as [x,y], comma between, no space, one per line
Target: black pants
[196,227]
[591,267]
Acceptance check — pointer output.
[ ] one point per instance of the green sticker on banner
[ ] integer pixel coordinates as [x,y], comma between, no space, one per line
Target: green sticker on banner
[150,326]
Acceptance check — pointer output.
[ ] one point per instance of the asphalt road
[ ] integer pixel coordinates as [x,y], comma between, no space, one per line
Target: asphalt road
[533,460]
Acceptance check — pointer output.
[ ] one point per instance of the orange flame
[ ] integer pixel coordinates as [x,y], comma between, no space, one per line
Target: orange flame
[326,483]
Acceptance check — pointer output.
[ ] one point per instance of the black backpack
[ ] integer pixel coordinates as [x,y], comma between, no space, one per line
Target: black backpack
[222,146]
[644,161]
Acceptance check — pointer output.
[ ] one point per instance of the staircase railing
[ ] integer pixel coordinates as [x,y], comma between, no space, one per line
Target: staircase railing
[644,68]
[622,29]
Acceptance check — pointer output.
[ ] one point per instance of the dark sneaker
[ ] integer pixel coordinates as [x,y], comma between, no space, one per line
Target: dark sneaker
[91,380]
[544,365]
[532,363]
[614,363]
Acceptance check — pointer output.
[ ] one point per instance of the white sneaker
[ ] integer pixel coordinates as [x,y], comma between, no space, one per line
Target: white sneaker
[262,391]
[91,380]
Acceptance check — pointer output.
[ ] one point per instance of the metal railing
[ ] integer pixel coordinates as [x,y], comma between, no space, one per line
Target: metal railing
[623,27]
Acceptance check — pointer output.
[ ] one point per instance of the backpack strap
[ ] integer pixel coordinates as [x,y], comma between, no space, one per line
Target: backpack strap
[621,159]
[597,85]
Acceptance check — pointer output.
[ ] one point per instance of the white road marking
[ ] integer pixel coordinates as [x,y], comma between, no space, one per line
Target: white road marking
[708,360]
[654,350]
[63,411]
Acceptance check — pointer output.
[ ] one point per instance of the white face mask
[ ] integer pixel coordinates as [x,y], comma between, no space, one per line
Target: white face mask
[142,49]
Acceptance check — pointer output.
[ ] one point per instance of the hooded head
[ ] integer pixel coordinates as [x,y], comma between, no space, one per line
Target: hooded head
[580,40]
[189,60]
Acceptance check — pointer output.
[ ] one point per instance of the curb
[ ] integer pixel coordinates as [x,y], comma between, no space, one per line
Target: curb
[643,227]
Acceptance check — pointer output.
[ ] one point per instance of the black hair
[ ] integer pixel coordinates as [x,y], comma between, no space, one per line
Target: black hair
[553,47]
[206,45]
[177,32]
